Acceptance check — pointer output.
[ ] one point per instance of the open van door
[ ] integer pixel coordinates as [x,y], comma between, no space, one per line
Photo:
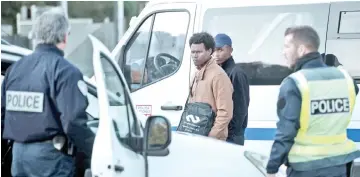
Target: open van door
[112,153]
[155,58]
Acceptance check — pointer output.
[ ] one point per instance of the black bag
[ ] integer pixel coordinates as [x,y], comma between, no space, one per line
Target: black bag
[197,118]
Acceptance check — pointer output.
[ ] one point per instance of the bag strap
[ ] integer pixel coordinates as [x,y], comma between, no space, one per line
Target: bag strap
[196,75]
[190,90]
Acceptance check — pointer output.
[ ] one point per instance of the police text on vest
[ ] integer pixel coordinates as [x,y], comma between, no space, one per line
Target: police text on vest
[24,101]
[326,106]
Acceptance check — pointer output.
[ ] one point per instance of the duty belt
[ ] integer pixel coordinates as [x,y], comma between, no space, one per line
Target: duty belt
[60,143]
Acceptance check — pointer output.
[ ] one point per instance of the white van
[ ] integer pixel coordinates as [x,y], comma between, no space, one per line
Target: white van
[154,53]
[123,135]
[120,147]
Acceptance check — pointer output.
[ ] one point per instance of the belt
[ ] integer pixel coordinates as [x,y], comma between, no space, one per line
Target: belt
[61,143]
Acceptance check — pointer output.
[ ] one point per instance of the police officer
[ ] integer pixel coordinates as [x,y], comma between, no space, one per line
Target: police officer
[314,107]
[43,104]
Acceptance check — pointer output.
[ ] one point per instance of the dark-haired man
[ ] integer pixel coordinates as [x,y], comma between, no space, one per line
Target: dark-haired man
[239,80]
[211,84]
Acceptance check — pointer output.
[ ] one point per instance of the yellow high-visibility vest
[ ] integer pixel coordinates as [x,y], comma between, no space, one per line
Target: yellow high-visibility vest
[328,99]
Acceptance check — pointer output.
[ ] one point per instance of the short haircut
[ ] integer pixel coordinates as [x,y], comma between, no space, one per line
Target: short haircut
[305,35]
[51,27]
[204,38]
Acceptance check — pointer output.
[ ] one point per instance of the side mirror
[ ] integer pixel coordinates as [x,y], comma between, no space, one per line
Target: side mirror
[157,135]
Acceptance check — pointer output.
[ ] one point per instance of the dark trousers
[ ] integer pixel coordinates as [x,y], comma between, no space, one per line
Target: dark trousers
[40,160]
[335,171]
[236,139]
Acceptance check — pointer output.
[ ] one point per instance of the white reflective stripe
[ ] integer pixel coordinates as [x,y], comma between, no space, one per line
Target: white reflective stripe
[24,101]
[305,103]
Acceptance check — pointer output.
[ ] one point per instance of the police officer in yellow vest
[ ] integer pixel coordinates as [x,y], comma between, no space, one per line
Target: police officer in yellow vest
[314,108]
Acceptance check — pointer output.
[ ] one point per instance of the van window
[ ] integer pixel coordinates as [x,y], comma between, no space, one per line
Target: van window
[349,22]
[156,50]
[167,45]
[344,36]
[135,54]
[258,35]
[124,121]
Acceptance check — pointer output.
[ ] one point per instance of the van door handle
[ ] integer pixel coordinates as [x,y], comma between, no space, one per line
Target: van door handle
[118,168]
[174,108]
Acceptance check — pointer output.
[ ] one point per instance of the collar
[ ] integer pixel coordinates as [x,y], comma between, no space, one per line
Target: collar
[305,59]
[228,63]
[200,75]
[49,47]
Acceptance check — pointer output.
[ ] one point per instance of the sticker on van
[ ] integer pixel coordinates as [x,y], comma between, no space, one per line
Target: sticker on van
[144,109]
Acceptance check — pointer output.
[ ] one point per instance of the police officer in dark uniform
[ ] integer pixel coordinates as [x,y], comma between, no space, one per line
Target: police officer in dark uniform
[43,105]
[315,106]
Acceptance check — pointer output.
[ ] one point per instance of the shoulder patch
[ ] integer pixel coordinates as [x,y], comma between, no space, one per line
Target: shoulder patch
[82,87]
[281,103]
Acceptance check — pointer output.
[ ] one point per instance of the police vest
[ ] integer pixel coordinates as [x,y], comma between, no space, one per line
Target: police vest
[328,99]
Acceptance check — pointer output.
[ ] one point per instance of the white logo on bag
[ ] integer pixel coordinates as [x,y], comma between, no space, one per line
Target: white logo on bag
[193,119]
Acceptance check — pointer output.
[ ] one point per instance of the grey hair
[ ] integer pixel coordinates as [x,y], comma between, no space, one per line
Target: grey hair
[51,27]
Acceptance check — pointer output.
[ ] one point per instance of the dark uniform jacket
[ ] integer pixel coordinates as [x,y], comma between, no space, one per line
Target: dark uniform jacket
[48,86]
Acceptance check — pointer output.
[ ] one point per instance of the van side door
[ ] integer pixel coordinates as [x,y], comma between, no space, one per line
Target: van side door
[343,42]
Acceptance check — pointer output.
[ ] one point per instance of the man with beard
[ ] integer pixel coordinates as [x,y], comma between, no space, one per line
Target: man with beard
[315,106]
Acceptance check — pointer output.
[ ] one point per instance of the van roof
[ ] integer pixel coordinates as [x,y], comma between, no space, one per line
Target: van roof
[240,3]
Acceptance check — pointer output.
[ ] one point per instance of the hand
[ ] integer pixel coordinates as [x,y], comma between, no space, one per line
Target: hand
[271,175]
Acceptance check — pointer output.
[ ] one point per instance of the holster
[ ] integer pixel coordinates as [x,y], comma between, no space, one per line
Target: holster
[63,144]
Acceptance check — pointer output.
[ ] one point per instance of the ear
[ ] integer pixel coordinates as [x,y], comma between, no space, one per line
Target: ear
[65,38]
[302,49]
[210,51]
